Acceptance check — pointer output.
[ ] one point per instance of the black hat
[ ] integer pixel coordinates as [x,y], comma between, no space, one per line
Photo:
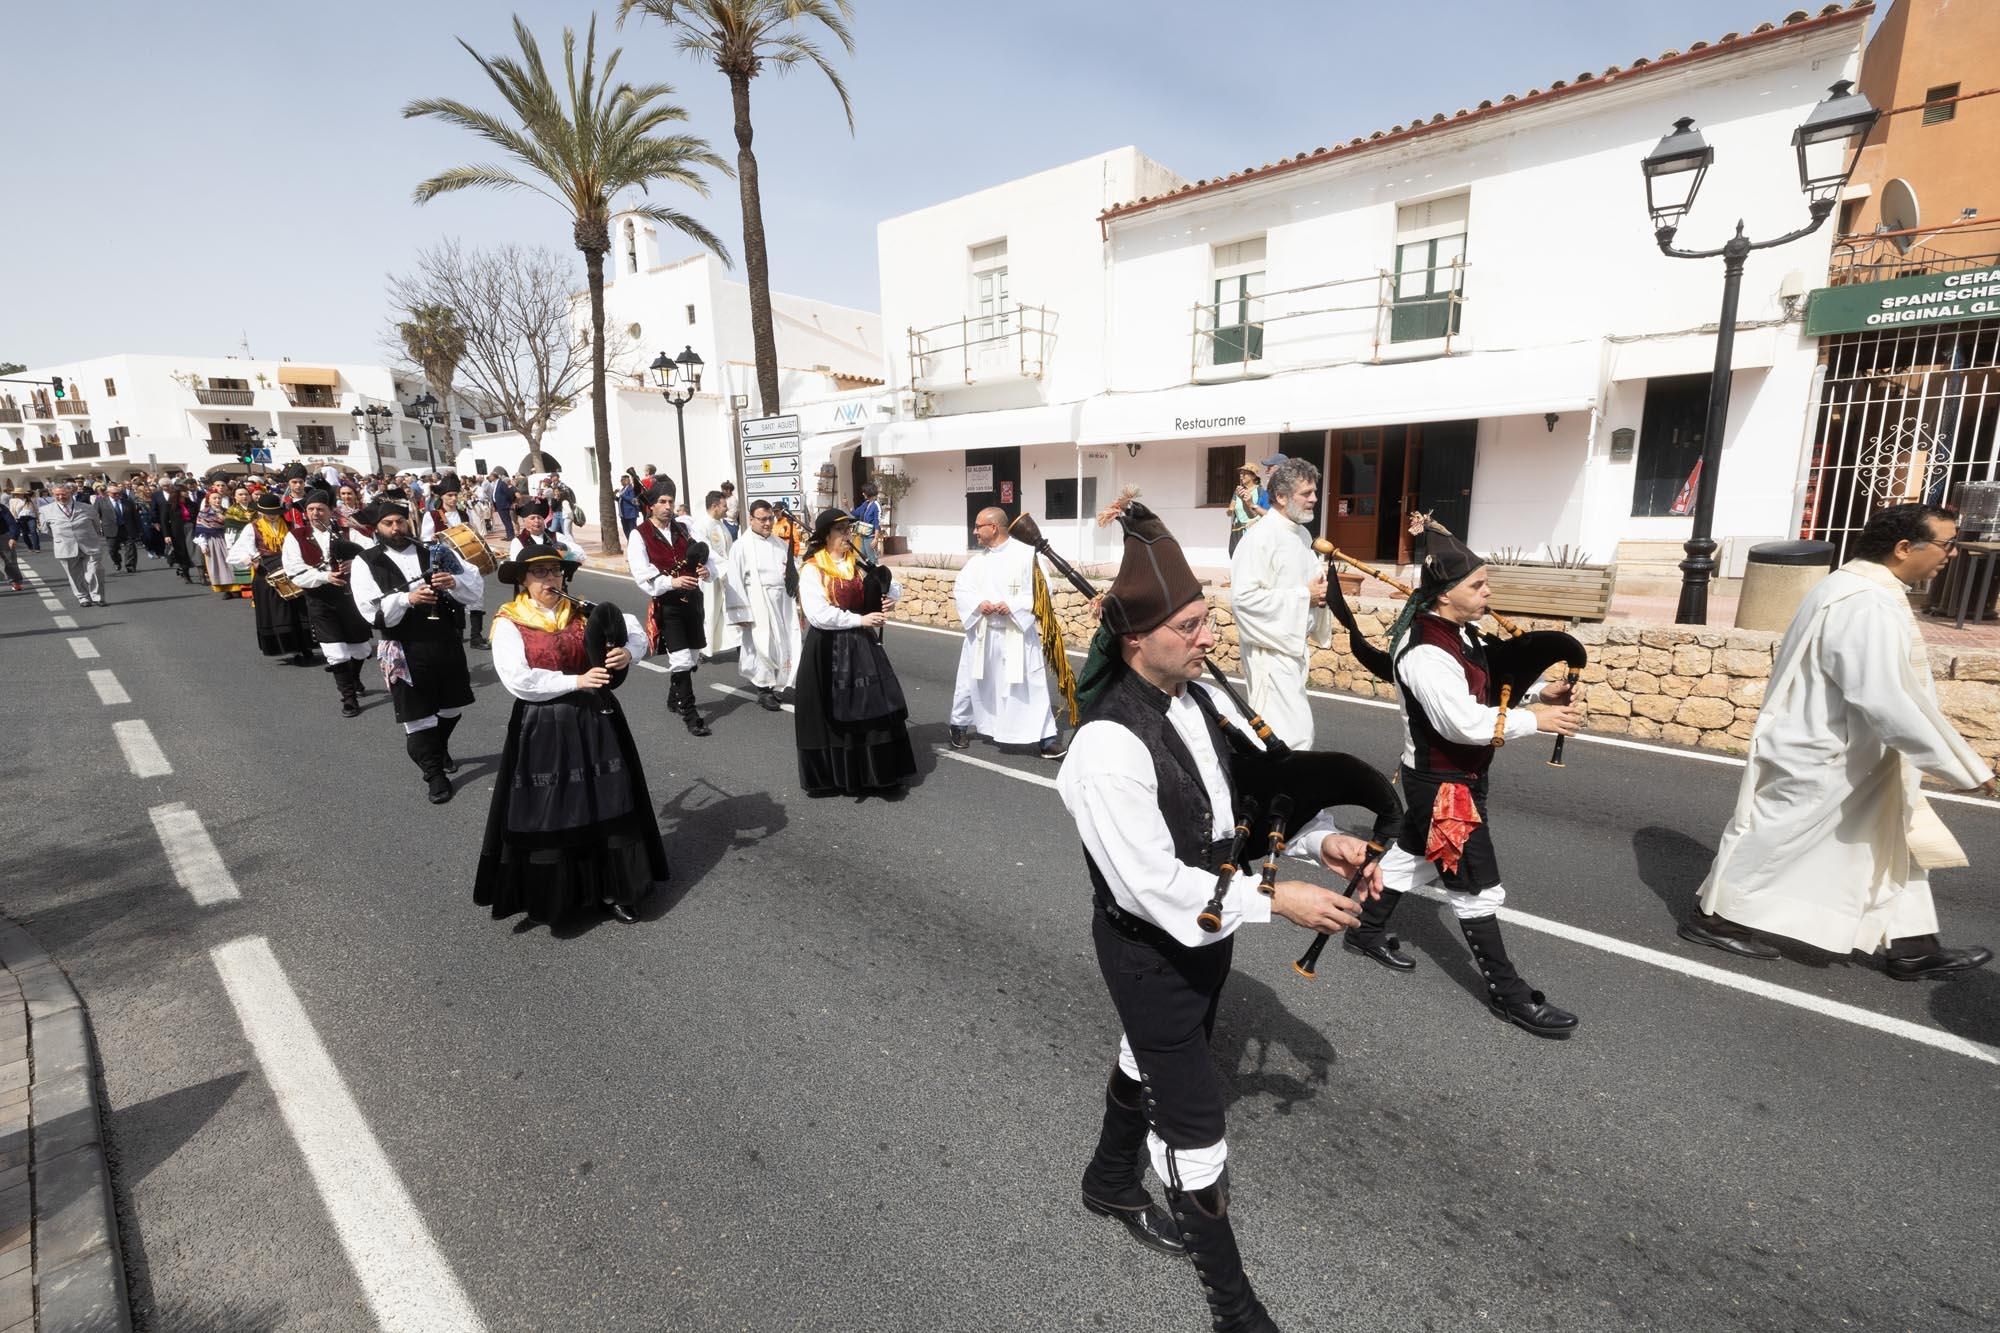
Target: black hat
[828,520]
[448,484]
[268,502]
[658,486]
[386,507]
[515,570]
[295,472]
[1448,562]
[1154,580]
[530,508]
[319,498]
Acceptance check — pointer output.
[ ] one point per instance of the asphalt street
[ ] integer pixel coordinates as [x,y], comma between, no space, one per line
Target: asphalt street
[846,1074]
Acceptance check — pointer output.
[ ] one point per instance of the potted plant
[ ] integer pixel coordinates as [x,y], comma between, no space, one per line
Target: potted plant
[891,487]
[1564,586]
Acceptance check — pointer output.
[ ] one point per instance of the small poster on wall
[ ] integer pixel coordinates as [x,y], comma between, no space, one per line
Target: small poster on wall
[979,479]
[1006,492]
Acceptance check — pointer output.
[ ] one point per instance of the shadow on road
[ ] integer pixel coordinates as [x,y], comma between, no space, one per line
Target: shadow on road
[147,1133]
[1261,1028]
[1672,865]
[1968,1006]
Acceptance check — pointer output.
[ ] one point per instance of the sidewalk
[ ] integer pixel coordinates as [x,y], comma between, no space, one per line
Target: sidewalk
[61,1270]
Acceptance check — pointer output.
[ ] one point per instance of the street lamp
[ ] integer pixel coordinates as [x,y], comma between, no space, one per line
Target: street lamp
[377,421]
[679,379]
[1828,146]
[424,409]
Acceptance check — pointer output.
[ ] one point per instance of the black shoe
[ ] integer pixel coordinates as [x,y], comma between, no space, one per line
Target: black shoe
[450,764]
[300,659]
[768,701]
[350,708]
[1721,933]
[621,912]
[695,725]
[1053,748]
[440,788]
[1941,963]
[1384,949]
[1533,1013]
[478,641]
[1152,1226]
[961,738]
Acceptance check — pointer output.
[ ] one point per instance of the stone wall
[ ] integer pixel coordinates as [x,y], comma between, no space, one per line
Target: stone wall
[1679,684]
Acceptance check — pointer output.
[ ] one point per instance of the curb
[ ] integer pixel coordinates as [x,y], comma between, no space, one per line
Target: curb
[79,1270]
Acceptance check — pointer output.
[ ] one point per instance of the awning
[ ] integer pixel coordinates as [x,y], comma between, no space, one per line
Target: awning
[309,375]
[974,430]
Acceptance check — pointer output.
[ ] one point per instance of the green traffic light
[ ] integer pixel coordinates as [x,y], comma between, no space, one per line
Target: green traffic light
[57,381]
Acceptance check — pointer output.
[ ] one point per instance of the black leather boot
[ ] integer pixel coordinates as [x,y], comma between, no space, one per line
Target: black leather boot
[690,714]
[676,703]
[427,750]
[1203,1215]
[477,633]
[445,726]
[1371,938]
[1114,1182]
[1506,994]
[347,679]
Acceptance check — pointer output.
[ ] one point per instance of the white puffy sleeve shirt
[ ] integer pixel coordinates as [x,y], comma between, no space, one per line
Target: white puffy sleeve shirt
[533,684]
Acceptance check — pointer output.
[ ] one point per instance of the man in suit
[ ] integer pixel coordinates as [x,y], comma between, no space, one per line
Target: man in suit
[76,535]
[123,529]
[10,533]
[503,503]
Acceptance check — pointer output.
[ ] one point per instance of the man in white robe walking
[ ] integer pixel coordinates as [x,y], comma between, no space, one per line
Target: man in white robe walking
[1277,592]
[714,530]
[1832,842]
[762,608]
[1003,682]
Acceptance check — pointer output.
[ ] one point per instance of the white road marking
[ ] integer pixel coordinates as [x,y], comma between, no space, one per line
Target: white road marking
[1036,778]
[109,691]
[654,666]
[410,1288]
[746,694]
[83,648]
[142,753]
[191,853]
[65,622]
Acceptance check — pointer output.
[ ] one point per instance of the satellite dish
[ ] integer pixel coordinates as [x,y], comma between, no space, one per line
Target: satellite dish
[1899,212]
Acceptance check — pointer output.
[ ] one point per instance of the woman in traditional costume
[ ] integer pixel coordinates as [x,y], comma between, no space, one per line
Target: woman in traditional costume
[850,709]
[571,824]
[282,626]
[236,516]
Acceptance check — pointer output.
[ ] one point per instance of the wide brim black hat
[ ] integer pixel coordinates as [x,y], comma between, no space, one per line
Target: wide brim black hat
[829,519]
[515,570]
[268,502]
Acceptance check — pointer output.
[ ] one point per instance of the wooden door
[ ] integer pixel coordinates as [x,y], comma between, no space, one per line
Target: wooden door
[1353,491]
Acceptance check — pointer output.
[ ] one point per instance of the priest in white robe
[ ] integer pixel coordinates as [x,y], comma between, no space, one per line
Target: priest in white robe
[1832,842]
[761,608]
[714,530]
[1277,593]
[1003,683]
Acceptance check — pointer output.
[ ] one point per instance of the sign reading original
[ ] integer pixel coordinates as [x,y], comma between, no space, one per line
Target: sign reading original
[1932,298]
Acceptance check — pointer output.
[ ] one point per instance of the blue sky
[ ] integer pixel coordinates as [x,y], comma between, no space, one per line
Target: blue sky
[184,176]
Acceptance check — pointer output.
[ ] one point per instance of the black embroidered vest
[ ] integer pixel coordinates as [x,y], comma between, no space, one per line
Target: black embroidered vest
[416,626]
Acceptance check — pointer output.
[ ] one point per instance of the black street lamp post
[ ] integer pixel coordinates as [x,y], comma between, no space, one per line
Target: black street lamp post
[424,409]
[1828,145]
[679,379]
[377,421]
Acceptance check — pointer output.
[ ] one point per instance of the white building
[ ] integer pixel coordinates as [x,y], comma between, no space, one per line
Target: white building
[1465,314]
[829,357]
[190,413]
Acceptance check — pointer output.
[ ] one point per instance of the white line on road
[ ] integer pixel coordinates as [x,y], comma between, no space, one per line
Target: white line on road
[142,753]
[65,622]
[653,666]
[191,853]
[1036,778]
[746,694]
[83,648]
[109,691]
[409,1286]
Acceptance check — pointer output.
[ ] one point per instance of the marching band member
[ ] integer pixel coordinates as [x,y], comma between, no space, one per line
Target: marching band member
[1149,782]
[416,610]
[757,583]
[281,623]
[1277,592]
[1003,679]
[1449,740]
[448,510]
[571,824]
[669,566]
[849,718]
[317,558]
[532,519]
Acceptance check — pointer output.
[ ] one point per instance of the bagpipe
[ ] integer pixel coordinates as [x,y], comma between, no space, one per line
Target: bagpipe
[1514,665]
[603,630]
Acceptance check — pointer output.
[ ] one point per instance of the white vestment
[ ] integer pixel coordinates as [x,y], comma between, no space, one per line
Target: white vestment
[753,586]
[1003,681]
[1274,618]
[1831,837]
[716,534]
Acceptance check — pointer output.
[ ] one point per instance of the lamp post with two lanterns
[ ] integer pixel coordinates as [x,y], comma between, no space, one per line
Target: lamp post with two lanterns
[424,409]
[377,421]
[679,380]
[1828,146]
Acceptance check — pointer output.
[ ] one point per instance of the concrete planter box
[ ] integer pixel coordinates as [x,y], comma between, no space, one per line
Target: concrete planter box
[1536,588]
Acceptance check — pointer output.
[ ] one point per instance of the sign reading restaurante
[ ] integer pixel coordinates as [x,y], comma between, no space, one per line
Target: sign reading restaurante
[1933,298]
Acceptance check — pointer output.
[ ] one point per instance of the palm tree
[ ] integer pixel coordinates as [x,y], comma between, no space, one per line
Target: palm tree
[742,37]
[435,340]
[580,145]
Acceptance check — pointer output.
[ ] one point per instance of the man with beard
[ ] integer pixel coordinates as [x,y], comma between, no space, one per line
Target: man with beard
[1277,591]
[669,566]
[417,609]
[317,557]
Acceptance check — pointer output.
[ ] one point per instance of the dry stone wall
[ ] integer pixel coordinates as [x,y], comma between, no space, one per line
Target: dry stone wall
[1679,684]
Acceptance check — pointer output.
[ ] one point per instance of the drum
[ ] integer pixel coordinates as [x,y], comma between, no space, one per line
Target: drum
[471,548]
[281,582]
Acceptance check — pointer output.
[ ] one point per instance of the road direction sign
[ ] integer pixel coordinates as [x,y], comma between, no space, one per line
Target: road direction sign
[786,465]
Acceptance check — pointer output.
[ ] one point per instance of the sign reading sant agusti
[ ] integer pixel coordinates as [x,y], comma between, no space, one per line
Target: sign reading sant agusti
[1932,298]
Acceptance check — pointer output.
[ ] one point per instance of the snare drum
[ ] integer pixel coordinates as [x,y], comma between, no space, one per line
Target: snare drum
[281,582]
[471,547]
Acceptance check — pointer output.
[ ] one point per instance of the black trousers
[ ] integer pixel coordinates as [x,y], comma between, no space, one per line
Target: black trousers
[1166,996]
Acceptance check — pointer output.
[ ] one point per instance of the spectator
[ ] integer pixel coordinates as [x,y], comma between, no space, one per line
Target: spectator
[868,522]
[28,516]
[10,531]
[729,509]
[504,496]
[629,507]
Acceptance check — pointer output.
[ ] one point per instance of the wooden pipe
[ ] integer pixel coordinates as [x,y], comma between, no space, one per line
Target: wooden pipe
[1332,552]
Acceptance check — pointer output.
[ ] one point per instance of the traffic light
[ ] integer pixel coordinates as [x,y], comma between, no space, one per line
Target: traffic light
[60,394]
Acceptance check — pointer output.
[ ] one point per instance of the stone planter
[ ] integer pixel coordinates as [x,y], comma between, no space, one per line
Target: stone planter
[1536,588]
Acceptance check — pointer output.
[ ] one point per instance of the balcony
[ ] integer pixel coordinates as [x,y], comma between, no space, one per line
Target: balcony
[10,415]
[1338,322]
[13,457]
[115,446]
[49,453]
[224,397]
[72,407]
[1014,344]
[1859,259]
[37,411]
[85,450]
[228,448]
[311,396]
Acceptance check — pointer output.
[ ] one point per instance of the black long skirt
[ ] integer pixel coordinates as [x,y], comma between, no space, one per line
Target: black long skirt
[837,756]
[282,627]
[572,822]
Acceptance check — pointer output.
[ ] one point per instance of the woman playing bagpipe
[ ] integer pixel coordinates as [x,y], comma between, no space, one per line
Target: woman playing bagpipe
[850,710]
[1161,780]
[1457,688]
[281,621]
[571,825]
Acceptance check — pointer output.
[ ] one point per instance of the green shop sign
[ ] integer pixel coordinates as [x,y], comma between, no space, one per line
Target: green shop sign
[1934,298]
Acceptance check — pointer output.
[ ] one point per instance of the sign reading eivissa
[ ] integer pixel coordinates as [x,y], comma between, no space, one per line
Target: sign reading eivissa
[1931,298]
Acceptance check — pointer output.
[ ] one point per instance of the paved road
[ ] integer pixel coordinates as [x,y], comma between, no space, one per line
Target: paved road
[846,1075]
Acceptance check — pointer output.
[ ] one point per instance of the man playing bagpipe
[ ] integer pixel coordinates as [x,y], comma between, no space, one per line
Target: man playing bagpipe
[670,566]
[317,557]
[449,509]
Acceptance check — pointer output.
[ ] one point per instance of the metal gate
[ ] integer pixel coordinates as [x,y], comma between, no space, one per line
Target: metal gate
[1904,416]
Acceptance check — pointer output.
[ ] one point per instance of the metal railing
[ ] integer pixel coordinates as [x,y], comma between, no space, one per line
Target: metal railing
[72,407]
[208,397]
[84,449]
[1011,343]
[1311,325]
[48,453]
[1880,259]
[10,415]
[115,446]
[13,457]
[37,410]
[229,447]
[311,395]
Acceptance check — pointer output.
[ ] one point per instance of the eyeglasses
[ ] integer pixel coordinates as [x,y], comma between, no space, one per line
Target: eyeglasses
[1950,544]
[1191,629]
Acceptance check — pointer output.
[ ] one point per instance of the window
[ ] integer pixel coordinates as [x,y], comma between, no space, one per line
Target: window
[1940,104]
[1850,216]
[631,247]
[110,387]
[115,443]
[1059,497]
[1671,431]
[316,440]
[492,426]
[217,382]
[1430,274]
[1219,482]
[989,289]
[1236,312]
[690,314]
[465,423]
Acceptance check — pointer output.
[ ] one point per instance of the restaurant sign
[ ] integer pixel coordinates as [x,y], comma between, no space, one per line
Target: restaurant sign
[1933,298]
